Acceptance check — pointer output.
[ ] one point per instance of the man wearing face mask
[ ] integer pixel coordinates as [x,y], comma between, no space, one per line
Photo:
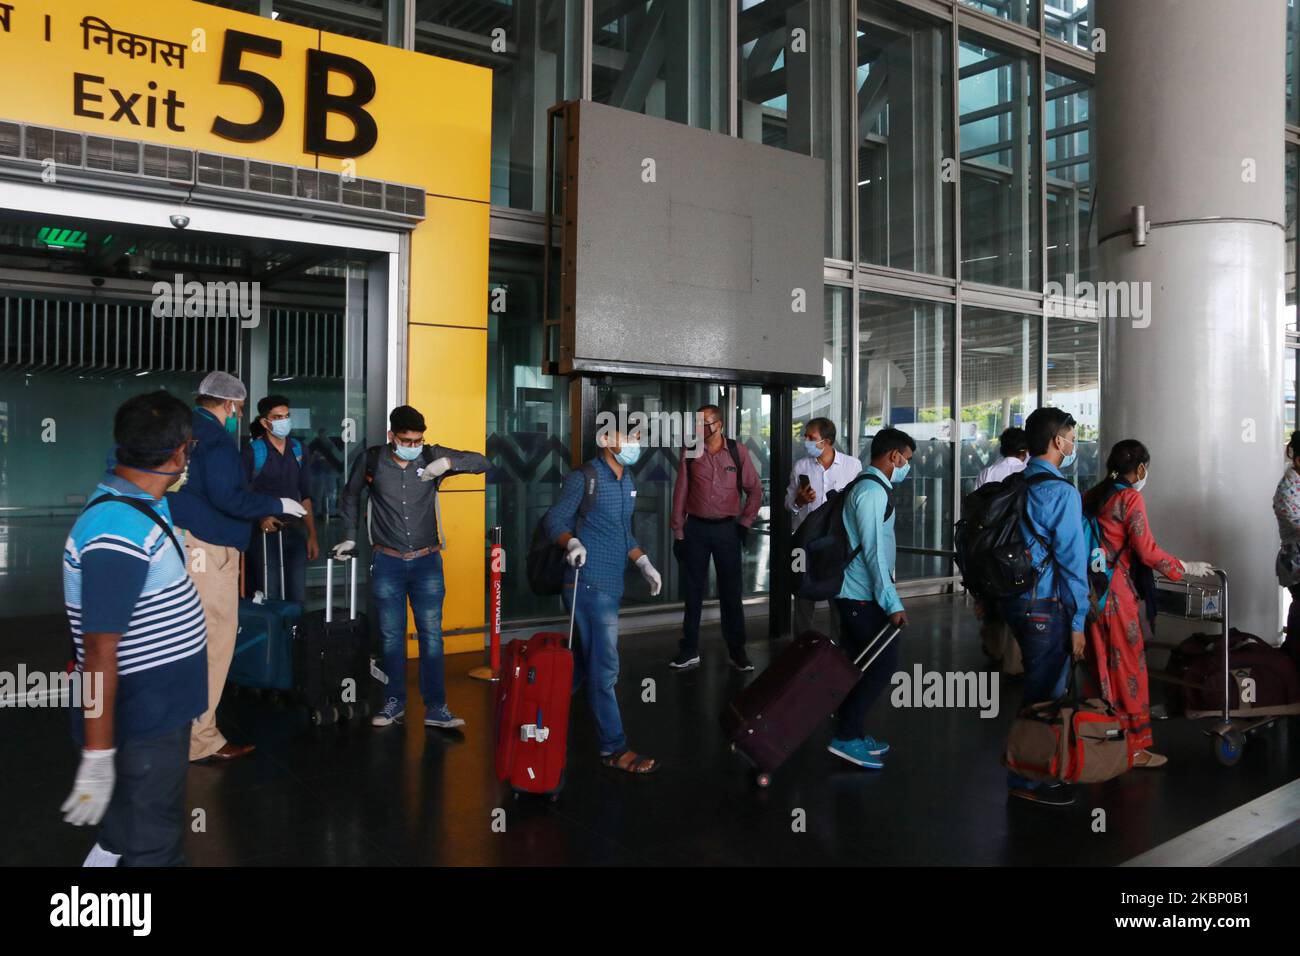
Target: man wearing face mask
[606,545]
[868,598]
[277,464]
[406,553]
[1048,620]
[710,522]
[823,470]
[137,625]
[217,511]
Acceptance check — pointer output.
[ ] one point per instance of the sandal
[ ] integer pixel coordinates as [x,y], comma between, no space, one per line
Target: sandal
[629,761]
[1152,760]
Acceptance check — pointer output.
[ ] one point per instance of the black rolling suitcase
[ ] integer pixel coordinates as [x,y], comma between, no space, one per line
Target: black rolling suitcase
[332,656]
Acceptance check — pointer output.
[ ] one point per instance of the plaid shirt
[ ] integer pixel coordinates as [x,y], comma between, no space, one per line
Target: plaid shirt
[606,531]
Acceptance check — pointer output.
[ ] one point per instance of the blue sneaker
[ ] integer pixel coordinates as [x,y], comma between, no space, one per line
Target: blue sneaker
[856,752]
[877,748]
[390,713]
[441,717]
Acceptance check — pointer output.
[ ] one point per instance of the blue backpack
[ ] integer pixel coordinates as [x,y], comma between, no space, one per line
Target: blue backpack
[1099,577]
[260,452]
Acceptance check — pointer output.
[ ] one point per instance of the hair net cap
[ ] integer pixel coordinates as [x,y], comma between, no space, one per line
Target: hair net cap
[223,385]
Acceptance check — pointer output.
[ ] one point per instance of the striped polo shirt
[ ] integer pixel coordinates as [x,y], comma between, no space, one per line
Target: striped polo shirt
[122,575]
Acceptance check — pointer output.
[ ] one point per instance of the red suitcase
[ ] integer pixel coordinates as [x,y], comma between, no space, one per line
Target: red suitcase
[772,717]
[532,710]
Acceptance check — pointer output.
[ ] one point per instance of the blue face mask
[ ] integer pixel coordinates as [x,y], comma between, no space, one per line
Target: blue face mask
[812,448]
[281,427]
[406,453]
[232,424]
[628,454]
[1068,460]
[900,473]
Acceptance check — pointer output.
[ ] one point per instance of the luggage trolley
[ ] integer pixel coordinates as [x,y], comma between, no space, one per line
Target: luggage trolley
[1228,733]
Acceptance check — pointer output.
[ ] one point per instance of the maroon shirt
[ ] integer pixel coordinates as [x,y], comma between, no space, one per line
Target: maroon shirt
[706,488]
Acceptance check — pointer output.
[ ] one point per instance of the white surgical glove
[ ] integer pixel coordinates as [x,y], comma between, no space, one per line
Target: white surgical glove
[575,554]
[92,789]
[650,574]
[292,508]
[1197,569]
[343,549]
[437,468]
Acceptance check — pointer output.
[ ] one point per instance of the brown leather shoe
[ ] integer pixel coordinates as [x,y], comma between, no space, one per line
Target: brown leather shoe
[231,751]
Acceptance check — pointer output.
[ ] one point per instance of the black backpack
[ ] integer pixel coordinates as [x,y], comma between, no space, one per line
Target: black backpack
[824,542]
[545,557]
[991,551]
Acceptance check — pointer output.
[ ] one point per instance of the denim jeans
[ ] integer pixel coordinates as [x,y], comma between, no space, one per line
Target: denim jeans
[145,821]
[295,564]
[595,661]
[1042,628]
[392,582]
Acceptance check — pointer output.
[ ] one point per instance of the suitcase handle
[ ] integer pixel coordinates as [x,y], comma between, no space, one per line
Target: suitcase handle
[857,661]
[573,606]
[329,588]
[266,567]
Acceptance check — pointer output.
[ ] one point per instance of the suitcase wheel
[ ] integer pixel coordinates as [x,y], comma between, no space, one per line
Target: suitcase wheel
[763,779]
[1228,747]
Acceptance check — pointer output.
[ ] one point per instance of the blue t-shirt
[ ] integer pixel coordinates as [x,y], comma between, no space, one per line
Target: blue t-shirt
[122,575]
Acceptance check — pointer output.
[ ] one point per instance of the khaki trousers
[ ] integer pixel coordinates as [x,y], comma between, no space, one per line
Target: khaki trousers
[215,572]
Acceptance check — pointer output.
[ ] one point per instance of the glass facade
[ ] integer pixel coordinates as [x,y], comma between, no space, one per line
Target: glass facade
[905,380]
[1000,369]
[905,201]
[1070,177]
[1000,209]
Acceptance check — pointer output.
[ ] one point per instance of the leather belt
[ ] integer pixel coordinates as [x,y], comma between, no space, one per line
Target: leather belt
[713,520]
[404,555]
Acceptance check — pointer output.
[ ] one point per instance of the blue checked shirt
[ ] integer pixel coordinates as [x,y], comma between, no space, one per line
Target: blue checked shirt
[606,531]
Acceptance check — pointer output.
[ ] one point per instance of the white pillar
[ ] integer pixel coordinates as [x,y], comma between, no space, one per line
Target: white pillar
[1190,113]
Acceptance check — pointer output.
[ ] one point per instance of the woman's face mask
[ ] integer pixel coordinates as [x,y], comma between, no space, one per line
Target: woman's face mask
[1142,482]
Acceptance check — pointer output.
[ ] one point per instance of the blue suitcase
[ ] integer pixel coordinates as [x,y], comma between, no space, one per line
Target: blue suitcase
[264,643]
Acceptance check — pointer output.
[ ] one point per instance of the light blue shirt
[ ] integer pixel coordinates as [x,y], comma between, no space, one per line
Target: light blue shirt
[1055,512]
[870,576]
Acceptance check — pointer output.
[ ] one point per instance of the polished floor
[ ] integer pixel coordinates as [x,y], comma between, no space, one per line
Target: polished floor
[407,795]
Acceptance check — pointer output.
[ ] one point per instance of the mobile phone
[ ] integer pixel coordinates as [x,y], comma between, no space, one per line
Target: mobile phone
[804,482]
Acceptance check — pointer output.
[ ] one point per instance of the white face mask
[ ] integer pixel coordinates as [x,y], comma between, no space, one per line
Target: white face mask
[1142,482]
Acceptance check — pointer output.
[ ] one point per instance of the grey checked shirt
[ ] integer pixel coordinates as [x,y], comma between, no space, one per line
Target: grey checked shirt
[403,509]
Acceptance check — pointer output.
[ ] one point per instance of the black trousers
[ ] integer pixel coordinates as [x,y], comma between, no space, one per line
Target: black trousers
[860,622]
[145,820]
[719,541]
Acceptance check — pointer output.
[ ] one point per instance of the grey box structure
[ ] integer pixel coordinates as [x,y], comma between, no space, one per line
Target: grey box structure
[686,252]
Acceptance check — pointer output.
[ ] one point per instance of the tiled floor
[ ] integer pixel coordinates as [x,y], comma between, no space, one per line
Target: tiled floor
[407,795]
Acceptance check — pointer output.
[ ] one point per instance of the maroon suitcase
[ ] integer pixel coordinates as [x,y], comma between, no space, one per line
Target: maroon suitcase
[772,717]
[532,710]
